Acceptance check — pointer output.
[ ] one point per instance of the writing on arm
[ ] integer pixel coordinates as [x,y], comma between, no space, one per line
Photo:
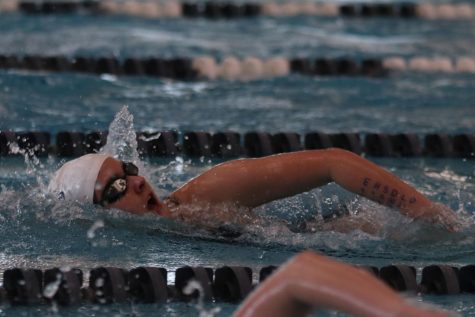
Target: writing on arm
[386,195]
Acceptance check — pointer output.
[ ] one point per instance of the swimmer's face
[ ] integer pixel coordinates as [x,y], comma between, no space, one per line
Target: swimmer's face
[135,193]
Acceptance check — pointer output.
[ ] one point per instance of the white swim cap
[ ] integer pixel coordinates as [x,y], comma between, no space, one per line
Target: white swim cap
[76,179]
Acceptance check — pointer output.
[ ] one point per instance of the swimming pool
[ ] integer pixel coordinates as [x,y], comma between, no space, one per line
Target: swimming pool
[37,234]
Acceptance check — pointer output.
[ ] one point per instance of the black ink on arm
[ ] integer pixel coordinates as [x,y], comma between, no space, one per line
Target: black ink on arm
[384,194]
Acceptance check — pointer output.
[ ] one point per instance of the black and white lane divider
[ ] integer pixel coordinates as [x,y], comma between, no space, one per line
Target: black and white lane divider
[231,10]
[233,68]
[228,144]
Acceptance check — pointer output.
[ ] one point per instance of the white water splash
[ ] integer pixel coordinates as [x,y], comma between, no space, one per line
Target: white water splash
[155,136]
[91,233]
[447,175]
[193,286]
[122,142]
[33,164]
[122,139]
[109,77]
[51,289]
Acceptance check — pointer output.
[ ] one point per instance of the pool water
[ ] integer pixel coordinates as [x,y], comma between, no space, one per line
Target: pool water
[37,232]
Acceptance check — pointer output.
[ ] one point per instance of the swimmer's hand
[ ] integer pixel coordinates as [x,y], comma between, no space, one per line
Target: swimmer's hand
[440,214]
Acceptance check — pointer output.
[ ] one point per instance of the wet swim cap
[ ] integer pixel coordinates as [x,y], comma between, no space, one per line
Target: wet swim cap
[76,179]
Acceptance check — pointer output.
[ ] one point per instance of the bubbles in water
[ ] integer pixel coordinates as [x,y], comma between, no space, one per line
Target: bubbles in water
[91,233]
[195,286]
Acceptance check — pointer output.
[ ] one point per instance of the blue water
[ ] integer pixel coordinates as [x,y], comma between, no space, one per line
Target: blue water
[37,233]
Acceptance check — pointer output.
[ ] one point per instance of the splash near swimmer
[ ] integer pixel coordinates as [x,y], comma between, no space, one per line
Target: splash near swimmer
[76,179]
[227,194]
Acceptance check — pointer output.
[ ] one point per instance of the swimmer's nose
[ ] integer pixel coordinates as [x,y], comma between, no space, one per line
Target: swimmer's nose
[137,183]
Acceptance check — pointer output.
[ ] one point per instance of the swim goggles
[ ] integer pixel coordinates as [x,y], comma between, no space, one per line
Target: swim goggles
[117,187]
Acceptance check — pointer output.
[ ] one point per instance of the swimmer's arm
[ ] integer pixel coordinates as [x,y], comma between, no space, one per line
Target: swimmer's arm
[253,182]
[310,281]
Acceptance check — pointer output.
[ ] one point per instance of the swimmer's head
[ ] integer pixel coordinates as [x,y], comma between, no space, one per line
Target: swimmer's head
[104,180]
[76,179]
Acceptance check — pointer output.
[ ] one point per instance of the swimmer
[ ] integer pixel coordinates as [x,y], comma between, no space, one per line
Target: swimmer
[310,281]
[238,186]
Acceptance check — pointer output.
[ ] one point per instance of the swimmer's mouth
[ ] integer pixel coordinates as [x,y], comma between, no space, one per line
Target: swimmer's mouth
[152,203]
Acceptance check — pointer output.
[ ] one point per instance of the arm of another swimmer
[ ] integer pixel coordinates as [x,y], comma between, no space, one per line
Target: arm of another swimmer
[310,281]
[252,182]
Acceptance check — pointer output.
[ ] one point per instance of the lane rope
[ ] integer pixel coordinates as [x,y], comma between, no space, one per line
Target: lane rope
[107,285]
[233,68]
[229,145]
[229,10]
